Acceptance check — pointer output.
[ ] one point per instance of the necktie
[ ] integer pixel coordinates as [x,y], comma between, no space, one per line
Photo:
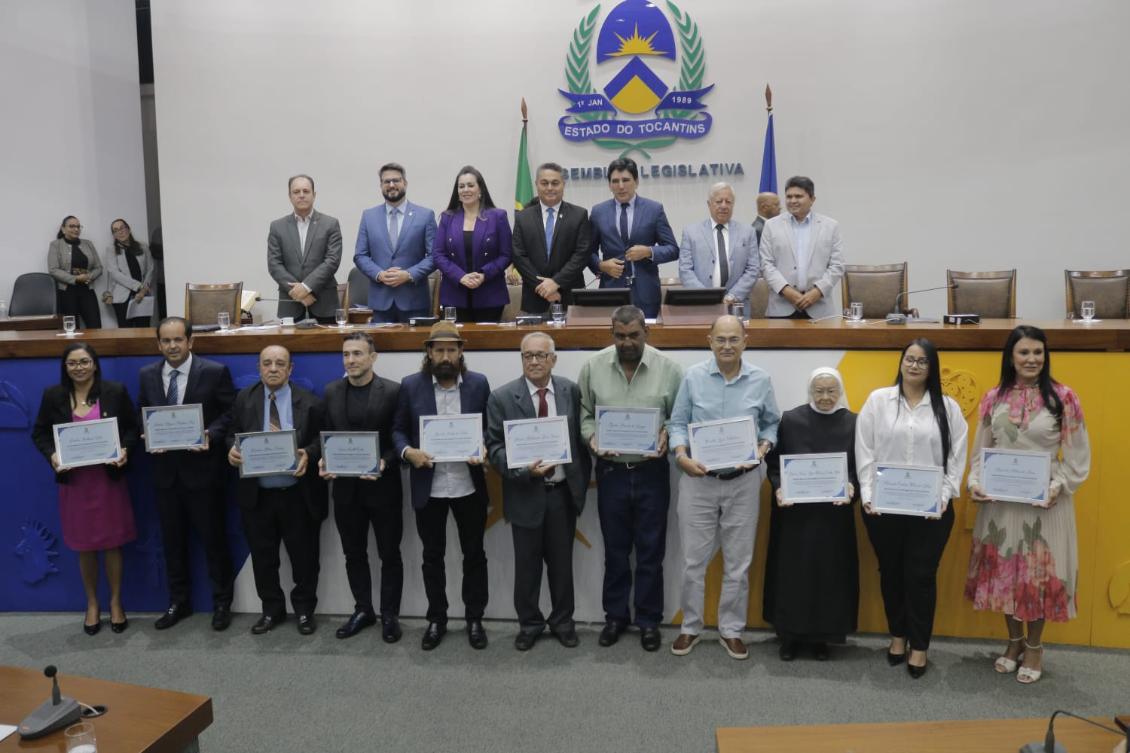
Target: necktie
[723,261]
[172,397]
[276,422]
[624,223]
[548,231]
[543,406]
[394,228]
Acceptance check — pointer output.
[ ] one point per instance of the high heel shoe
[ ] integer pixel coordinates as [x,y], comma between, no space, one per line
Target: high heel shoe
[1027,675]
[916,671]
[92,629]
[894,659]
[119,627]
[1005,666]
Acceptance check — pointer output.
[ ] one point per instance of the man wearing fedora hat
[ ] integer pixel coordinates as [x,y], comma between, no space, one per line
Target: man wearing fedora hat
[444,386]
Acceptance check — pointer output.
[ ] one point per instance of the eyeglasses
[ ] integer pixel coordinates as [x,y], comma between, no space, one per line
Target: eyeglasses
[392,181]
[80,363]
[921,363]
[539,357]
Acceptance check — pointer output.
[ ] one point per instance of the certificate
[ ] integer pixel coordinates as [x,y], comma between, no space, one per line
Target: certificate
[267,453]
[816,477]
[724,443]
[352,453]
[908,489]
[1016,475]
[452,439]
[631,430]
[173,427]
[530,439]
[82,443]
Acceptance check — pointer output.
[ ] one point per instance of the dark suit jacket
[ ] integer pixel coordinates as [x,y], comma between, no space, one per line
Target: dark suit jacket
[524,496]
[313,265]
[649,228]
[565,262]
[247,416]
[490,254]
[209,384]
[55,408]
[384,394]
[418,398]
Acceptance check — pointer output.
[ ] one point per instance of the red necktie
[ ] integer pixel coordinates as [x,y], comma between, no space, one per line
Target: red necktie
[543,406]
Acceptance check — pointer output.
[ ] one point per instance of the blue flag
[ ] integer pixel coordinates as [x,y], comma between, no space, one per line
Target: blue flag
[769,161]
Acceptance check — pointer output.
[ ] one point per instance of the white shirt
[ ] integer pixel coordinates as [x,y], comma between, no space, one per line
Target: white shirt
[303,227]
[716,277]
[450,480]
[182,377]
[888,430]
[558,474]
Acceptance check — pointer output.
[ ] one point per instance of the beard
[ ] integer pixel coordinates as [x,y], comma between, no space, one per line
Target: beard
[445,370]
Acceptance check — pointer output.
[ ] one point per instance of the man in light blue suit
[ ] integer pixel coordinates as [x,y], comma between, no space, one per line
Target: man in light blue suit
[630,238]
[394,245]
[719,252]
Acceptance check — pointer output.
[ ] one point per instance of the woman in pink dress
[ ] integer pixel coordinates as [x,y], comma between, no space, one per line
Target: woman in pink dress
[94,504]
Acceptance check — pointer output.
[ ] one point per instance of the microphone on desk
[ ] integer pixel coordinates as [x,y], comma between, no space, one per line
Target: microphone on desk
[897,317]
[51,715]
[1049,745]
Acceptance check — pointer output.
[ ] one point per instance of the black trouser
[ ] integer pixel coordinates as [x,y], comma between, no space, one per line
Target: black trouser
[299,312]
[470,515]
[489,314]
[368,506]
[282,516]
[552,542]
[120,313]
[80,301]
[909,549]
[794,315]
[203,510]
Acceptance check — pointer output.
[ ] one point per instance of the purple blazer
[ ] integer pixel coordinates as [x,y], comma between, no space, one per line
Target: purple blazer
[490,254]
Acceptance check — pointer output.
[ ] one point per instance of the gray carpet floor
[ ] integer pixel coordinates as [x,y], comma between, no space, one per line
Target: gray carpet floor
[284,692]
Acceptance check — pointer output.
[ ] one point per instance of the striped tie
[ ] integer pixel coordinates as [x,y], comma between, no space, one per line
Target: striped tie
[276,422]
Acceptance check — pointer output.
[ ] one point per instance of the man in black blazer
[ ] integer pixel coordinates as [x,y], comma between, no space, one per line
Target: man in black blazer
[551,244]
[282,508]
[190,483]
[444,386]
[363,401]
[541,502]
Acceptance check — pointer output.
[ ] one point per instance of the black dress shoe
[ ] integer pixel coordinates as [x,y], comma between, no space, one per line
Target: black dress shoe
[476,635]
[266,624]
[524,641]
[92,629]
[306,624]
[820,651]
[567,637]
[610,633]
[119,627]
[433,635]
[358,622]
[914,671]
[650,638]
[390,628]
[221,617]
[174,614]
[787,650]
[895,659]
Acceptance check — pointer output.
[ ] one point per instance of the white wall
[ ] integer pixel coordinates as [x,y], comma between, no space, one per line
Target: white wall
[71,128]
[948,132]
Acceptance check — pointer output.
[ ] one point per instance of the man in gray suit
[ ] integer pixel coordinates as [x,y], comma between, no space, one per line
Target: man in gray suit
[303,254]
[801,257]
[719,252]
[768,207]
[541,502]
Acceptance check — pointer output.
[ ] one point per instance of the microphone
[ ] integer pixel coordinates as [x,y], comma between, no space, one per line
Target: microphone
[1049,745]
[51,671]
[56,713]
[897,317]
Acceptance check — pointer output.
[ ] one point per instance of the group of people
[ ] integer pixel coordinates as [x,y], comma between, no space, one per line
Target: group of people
[1023,564]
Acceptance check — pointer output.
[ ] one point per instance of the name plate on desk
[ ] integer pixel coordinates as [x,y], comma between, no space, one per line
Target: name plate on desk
[725,443]
[83,443]
[544,439]
[352,453]
[815,477]
[1016,475]
[908,489]
[173,427]
[267,453]
[628,430]
[452,439]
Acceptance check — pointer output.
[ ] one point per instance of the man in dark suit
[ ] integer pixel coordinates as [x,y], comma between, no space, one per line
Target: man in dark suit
[630,238]
[190,483]
[444,386]
[363,401]
[541,502]
[768,207]
[394,250]
[285,508]
[551,244]
[303,254]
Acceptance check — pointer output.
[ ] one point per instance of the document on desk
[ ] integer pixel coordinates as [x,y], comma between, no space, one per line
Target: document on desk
[6,729]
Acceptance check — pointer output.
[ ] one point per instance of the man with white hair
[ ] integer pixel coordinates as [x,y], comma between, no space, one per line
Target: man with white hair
[720,252]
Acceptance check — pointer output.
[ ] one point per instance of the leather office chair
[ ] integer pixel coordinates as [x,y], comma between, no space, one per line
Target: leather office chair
[203,301]
[358,288]
[991,295]
[876,286]
[1110,290]
[34,295]
[510,311]
[758,299]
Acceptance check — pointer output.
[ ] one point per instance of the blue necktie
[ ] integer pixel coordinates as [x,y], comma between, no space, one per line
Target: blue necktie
[173,395]
[548,232]
[394,228]
[624,224]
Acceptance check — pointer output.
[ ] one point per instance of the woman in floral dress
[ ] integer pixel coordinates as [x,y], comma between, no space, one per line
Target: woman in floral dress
[1024,562]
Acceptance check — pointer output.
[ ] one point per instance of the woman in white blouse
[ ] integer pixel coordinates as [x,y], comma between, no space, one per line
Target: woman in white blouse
[911,423]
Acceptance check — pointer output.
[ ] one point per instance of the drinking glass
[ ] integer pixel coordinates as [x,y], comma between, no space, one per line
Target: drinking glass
[3,309]
[80,738]
[341,317]
[224,320]
[738,310]
[856,311]
[69,325]
[1087,309]
[558,314]
[449,313]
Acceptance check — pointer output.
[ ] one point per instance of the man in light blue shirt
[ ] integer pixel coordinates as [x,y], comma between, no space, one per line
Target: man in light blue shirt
[720,504]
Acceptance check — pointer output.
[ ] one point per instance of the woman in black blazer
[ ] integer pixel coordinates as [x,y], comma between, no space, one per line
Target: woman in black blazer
[94,503]
[74,263]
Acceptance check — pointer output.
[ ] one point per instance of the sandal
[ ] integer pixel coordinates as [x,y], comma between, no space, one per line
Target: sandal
[1027,675]
[1005,666]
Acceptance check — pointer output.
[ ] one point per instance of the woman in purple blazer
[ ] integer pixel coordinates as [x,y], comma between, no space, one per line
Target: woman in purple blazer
[472,251]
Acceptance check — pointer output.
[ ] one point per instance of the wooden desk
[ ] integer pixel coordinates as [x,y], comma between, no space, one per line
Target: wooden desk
[138,719]
[982,736]
[23,323]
